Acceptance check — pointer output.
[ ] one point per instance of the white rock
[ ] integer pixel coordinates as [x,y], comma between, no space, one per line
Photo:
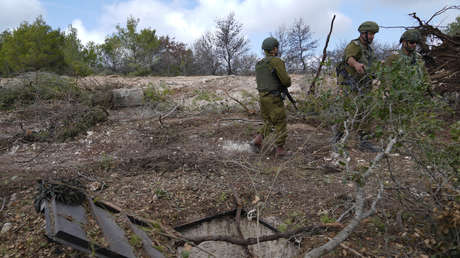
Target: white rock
[6,227]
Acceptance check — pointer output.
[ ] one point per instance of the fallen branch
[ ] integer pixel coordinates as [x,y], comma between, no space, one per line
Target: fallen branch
[31,159]
[311,91]
[240,119]
[167,114]
[239,206]
[239,102]
[349,249]
[360,214]
[252,240]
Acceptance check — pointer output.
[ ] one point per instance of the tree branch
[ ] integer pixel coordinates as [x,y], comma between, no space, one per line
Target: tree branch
[252,240]
[311,91]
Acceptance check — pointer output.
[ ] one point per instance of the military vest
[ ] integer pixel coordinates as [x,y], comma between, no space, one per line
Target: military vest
[365,56]
[266,77]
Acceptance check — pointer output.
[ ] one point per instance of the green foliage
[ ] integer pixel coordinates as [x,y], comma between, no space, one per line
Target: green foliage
[160,93]
[325,219]
[74,55]
[80,122]
[454,27]
[135,241]
[34,46]
[129,51]
[43,87]
[206,96]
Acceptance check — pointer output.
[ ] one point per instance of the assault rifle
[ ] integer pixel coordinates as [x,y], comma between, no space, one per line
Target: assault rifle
[284,91]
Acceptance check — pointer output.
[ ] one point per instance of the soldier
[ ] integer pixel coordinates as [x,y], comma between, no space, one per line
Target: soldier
[354,74]
[358,60]
[271,76]
[407,56]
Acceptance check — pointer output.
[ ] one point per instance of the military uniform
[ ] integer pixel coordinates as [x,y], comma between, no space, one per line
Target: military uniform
[350,79]
[355,83]
[347,76]
[409,58]
[270,76]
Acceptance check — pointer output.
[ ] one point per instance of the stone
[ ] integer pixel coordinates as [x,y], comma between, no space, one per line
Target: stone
[6,227]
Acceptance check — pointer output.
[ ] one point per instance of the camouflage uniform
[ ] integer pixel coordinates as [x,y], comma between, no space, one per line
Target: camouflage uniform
[347,76]
[354,83]
[270,76]
[409,58]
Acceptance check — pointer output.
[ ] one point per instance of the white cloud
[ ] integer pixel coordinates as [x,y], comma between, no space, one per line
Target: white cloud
[86,36]
[13,12]
[259,17]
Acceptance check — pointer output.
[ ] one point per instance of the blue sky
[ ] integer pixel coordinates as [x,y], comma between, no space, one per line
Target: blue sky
[187,20]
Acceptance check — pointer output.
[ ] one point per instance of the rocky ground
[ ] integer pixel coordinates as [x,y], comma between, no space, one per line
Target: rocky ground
[180,159]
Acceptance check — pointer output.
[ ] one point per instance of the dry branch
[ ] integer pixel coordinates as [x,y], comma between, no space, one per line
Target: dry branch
[360,214]
[311,91]
[239,206]
[239,102]
[252,240]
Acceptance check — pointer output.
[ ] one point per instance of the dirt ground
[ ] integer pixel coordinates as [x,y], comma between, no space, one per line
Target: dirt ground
[184,166]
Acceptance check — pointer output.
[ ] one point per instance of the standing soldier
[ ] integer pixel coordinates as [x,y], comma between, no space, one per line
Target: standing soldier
[358,60]
[354,73]
[408,57]
[271,76]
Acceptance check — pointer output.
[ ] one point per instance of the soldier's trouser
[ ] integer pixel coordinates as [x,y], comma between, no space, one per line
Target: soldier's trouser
[274,116]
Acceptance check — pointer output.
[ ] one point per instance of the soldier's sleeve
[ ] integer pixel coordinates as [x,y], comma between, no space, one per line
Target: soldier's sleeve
[352,50]
[280,69]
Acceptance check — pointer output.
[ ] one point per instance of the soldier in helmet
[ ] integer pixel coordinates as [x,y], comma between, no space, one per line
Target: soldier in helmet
[409,57]
[357,60]
[271,75]
[354,76]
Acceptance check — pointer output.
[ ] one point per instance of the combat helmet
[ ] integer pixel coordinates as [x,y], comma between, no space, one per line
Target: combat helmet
[369,26]
[269,43]
[411,35]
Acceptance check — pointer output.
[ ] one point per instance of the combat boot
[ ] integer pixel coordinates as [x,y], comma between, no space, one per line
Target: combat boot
[256,143]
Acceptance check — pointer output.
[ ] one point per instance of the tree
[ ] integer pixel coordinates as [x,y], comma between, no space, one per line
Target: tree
[229,42]
[73,54]
[130,51]
[245,64]
[454,27]
[175,58]
[4,68]
[35,46]
[281,35]
[300,43]
[205,55]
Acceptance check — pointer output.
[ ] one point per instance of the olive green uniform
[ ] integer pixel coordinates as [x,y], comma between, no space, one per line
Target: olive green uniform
[271,75]
[347,76]
[412,60]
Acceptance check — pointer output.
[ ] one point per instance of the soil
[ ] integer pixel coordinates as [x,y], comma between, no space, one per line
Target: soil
[185,166]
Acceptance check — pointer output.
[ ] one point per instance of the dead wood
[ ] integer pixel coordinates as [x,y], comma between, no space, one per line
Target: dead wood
[311,91]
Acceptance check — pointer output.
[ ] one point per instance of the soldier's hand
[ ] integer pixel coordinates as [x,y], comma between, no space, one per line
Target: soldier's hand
[359,67]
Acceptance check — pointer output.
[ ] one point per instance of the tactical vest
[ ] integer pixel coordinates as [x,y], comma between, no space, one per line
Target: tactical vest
[415,61]
[366,57]
[266,77]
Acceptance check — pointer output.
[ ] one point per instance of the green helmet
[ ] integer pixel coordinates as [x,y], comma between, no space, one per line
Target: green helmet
[411,35]
[369,26]
[270,43]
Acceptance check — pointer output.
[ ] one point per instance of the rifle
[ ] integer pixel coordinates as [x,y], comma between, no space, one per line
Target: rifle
[284,91]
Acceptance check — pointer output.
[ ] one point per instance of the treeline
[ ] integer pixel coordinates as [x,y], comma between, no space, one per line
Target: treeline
[130,51]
